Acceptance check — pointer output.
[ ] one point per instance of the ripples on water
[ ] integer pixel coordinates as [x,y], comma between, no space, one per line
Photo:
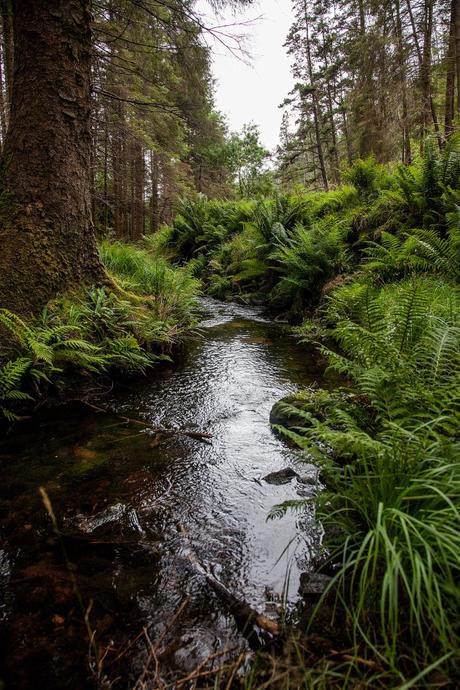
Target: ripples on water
[239,367]
[185,496]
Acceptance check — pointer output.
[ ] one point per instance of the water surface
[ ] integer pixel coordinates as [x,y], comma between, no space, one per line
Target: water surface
[178,500]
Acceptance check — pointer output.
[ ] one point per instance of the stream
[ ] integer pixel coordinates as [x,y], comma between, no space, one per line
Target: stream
[154,500]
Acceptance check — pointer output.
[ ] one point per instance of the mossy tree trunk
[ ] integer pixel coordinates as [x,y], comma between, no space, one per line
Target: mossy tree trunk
[46,233]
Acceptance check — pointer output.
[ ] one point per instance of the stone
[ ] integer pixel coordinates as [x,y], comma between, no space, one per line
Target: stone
[281,477]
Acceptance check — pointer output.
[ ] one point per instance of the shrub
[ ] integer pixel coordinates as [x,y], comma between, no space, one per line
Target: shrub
[366,176]
[395,506]
[100,329]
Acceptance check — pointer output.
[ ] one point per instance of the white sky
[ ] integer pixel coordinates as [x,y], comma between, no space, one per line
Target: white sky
[253,92]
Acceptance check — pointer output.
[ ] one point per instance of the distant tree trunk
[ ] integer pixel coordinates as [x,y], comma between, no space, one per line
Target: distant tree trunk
[105,173]
[334,148]
[155,198]
[47,235]
[119,166]
[424,60]
[346,133]
[316,114]
[450,74]
[406,145]
[457,49]
[137,181]
[2,99]
[8,45]
[425,72]
[116,183]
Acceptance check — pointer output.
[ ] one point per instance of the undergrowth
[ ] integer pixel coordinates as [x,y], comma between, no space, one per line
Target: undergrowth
[284,251]
[122,328]
[379,260]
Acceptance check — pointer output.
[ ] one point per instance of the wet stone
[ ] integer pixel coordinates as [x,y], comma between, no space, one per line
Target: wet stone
[314,583]
[283,476]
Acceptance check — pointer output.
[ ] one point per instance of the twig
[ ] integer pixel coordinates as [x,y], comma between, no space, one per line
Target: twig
[237,607]
[369,663]
[197,435]
[182,606]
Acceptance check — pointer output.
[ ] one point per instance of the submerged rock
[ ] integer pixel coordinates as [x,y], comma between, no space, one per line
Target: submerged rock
[310,475]
[313,583]
[281,477]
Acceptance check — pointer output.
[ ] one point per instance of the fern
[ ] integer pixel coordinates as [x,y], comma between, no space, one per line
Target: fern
[12,375]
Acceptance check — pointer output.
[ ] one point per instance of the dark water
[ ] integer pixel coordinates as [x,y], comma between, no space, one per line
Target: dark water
[175,498]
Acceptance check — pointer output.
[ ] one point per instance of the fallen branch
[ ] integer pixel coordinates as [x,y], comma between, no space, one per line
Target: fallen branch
[196,435]
[244,614]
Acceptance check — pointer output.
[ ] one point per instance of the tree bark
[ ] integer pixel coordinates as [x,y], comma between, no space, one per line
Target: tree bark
[2,99]
[401,58]
[424,60]
[316,114]
[450,74]
[137,181]
[155,196]
[8,45]
[457,49]
[47,234]
[119,166]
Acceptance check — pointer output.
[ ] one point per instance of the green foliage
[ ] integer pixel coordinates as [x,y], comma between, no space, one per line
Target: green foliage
[305,261]
[324,203]
[277,218]
[202,225]
[396,501]
[246,160]
[173,290]
[12,375]
[366,176]
[99,330]
[430,189]
[420,251]
[400,551]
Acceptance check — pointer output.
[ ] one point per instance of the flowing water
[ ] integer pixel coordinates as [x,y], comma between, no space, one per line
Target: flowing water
[172,501]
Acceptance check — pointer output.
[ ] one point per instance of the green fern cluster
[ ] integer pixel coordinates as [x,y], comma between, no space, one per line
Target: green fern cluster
[202,225]
[12,376]
[430,189]
[98,330]
[366,176]
[396,493]
[401,347]
[420,251]
[305,262]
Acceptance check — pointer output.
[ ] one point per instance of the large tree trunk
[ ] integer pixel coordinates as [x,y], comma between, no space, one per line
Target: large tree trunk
[46,236]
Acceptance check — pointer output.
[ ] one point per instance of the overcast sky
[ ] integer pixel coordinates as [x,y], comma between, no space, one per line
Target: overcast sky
[253,93]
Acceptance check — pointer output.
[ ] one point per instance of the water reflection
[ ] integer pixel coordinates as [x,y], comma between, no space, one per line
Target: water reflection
[232,375]
[164,498]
